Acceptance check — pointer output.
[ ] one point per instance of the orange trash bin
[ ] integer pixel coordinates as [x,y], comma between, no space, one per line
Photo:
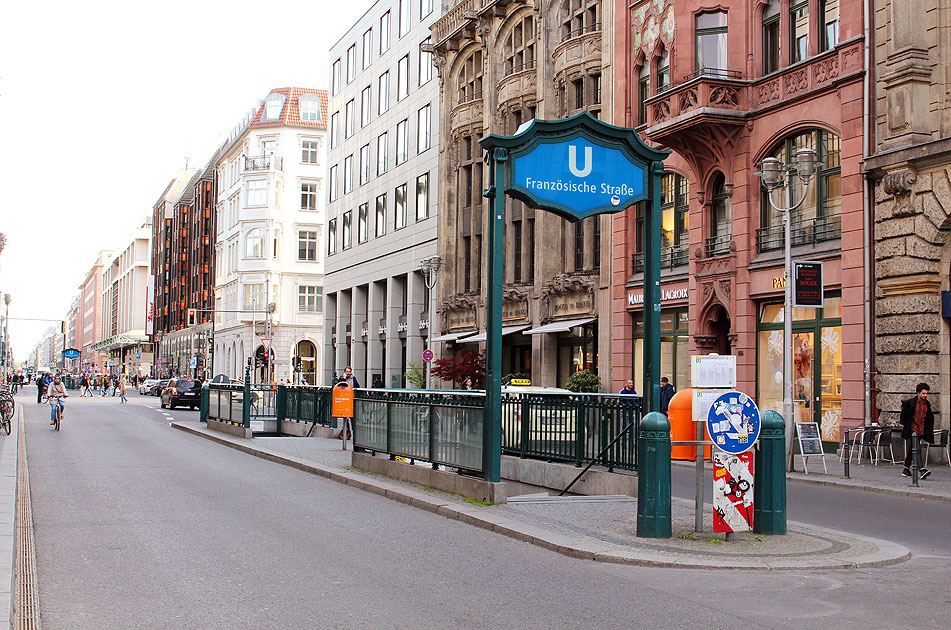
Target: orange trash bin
[680,416]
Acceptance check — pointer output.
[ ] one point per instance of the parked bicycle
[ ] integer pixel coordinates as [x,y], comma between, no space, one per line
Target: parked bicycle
[7,409]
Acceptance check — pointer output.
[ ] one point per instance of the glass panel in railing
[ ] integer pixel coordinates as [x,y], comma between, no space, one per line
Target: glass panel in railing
[457,436]
[237,402]
[369,424]
[409,430]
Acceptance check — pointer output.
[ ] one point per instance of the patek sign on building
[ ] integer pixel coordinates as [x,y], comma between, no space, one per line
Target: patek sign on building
[807,284]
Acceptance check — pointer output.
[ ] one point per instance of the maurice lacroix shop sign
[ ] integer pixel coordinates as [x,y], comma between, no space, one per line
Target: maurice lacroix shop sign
[635,299]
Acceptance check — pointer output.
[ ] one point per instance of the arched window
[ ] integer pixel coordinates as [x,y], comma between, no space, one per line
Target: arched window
[771,36]
[470,78]
[818,218]
[579,17]
[720,218]
[254,243]
[519,46]
[663,72]
[306,363]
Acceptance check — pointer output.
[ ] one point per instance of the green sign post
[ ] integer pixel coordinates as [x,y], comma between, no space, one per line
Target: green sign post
[577,168]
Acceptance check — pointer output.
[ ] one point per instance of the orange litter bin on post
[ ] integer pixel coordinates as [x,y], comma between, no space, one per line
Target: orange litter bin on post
[682,429]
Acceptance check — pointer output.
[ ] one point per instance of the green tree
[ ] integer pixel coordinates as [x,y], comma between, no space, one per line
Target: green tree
[584,381]
[465,364]
[416,375]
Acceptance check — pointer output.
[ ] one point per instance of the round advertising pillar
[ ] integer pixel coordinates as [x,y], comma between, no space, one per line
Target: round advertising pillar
[653,477]
[769,485]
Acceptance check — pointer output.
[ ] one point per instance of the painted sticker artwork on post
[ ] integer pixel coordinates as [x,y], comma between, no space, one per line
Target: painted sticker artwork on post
[732,492]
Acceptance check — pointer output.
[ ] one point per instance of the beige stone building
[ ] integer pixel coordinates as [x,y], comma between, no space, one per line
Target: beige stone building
[502,63]
[910,167]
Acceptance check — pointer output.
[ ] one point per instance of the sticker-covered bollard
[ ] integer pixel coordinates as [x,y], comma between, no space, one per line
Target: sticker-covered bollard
[205,394]
[769,484]
[653,476]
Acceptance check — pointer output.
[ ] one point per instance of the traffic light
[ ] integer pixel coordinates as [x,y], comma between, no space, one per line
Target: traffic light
[264,356]
[62,327]
[192,317]
[249,361]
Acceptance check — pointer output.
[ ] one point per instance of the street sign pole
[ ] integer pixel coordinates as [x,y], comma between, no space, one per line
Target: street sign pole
[492,422]
[652,292]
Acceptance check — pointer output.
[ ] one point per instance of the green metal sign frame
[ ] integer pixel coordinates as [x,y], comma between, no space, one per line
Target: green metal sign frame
[501,151]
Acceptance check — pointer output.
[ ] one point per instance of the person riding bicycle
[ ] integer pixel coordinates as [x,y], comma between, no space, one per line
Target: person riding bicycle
[55,395]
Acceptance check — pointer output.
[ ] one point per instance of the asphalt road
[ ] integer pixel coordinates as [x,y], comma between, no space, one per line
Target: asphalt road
[141,526]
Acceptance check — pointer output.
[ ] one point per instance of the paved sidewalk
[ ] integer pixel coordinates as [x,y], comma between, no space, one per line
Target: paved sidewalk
[594,528]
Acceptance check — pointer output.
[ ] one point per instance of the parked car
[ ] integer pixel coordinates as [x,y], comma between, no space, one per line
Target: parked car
[158,387]
[146,385]
[183,392]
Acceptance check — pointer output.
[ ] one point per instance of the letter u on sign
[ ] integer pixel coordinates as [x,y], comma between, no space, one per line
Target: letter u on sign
[573,161]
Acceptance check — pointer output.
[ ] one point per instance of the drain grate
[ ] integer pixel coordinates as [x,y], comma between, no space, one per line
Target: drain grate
[26,601]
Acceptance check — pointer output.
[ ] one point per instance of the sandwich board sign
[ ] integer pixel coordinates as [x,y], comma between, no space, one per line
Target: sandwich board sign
[810,444]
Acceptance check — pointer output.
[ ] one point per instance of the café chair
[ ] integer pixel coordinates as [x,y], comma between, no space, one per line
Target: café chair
[868,442]
[850,438]
[883,442]
[941,442]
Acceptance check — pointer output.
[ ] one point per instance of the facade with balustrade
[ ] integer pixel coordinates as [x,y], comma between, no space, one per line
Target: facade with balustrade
[725,85]
[502,63]
[269,263]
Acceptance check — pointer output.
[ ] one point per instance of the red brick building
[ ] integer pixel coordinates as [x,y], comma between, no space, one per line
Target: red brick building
[723,85]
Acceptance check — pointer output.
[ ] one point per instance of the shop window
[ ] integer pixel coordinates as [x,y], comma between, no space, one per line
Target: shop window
[711,48]
[674,348]
[817,363]
[771,37]
[819,218]
[577,351]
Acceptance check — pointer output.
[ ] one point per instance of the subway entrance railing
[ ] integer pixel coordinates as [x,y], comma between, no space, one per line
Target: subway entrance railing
[445,427]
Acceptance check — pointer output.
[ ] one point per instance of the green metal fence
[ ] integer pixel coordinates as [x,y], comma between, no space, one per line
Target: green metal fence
[263,401]
[571,427]
[307,404]
[439,427]
[226,403]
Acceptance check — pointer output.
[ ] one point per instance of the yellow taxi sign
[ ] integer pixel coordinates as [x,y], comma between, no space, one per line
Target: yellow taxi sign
[521,381]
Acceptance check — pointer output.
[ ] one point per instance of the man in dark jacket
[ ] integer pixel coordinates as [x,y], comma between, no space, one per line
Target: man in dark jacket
[666,393]
[917,417]
[40,388]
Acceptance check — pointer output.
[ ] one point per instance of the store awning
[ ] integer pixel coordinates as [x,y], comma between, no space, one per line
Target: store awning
[506,330]
[119,341]
[557,327]
[452,336]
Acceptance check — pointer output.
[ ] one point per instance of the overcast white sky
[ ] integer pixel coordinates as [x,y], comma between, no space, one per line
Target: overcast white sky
[100,103]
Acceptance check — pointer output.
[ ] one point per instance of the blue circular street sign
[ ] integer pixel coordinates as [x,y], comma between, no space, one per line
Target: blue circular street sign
[427,355]
[733,422]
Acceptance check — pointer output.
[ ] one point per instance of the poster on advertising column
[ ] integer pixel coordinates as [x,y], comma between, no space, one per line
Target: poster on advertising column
[732,492]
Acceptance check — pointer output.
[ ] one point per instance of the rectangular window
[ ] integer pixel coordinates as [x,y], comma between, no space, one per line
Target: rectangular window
[308,196]
[351,63]
[531,250]
[254,297]
[308,153]
[712,42]
[362,228]
[383,93]
[596,259]
[332,236]
[401,142]
[466,263]
[517,251]
[404,17]
[334,125]
[422,129]
[367,47]
[425,62]
[400,195]
[333,182]
[365,106]
[310,299]
[307,245]
[771,38]
[422,197]
[347,230]
[308,109]
[257,192]
[348,119]
[381,154]
[402,78]
[579,246]
[643,92]
[596,87]
[364,164]
[799,30]
[425,8]
[335,78]
[379,227]
[348,174]
[384,32]
[829,11]
[579,93]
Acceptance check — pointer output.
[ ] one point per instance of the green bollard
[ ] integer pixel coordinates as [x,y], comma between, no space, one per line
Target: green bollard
[769,485]
[653,476]
[281,405]
[205,396]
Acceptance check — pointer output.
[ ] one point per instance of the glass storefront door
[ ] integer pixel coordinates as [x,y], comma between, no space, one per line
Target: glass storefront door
[803,368]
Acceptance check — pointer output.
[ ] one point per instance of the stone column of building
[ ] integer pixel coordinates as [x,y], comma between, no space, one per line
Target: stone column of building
[376,310]
[417,306]
[393,372]
[344,319]
[358,351]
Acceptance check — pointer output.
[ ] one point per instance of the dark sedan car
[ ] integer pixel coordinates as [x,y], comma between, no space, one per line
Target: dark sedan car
[183,392]
[158,387]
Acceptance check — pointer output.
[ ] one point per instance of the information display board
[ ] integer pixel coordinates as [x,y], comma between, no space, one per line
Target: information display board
[713,371]
[732,492]
[810,443]
[807,284]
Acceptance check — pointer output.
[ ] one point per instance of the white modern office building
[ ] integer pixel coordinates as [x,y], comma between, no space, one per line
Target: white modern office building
[270,217]
[382,182]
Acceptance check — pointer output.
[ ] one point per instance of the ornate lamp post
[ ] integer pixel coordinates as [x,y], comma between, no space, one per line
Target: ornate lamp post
[774,176]
[430,267]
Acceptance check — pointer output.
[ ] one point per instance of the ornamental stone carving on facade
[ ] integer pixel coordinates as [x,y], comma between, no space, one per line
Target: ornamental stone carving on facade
[567,295]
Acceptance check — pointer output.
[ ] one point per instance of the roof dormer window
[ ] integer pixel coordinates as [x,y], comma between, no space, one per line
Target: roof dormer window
[309,107]
[273,106]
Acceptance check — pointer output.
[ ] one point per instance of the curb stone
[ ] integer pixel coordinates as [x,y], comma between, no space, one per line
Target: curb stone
[887,554]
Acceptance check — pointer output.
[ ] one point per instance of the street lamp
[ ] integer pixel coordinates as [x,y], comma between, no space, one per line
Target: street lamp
[430,267]
[774,176]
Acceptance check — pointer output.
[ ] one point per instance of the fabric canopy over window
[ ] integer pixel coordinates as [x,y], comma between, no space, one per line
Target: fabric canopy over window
[506,330]
[557,327]
[452,336]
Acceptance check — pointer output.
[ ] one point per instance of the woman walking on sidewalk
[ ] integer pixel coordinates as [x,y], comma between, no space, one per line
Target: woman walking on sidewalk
[121,387]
